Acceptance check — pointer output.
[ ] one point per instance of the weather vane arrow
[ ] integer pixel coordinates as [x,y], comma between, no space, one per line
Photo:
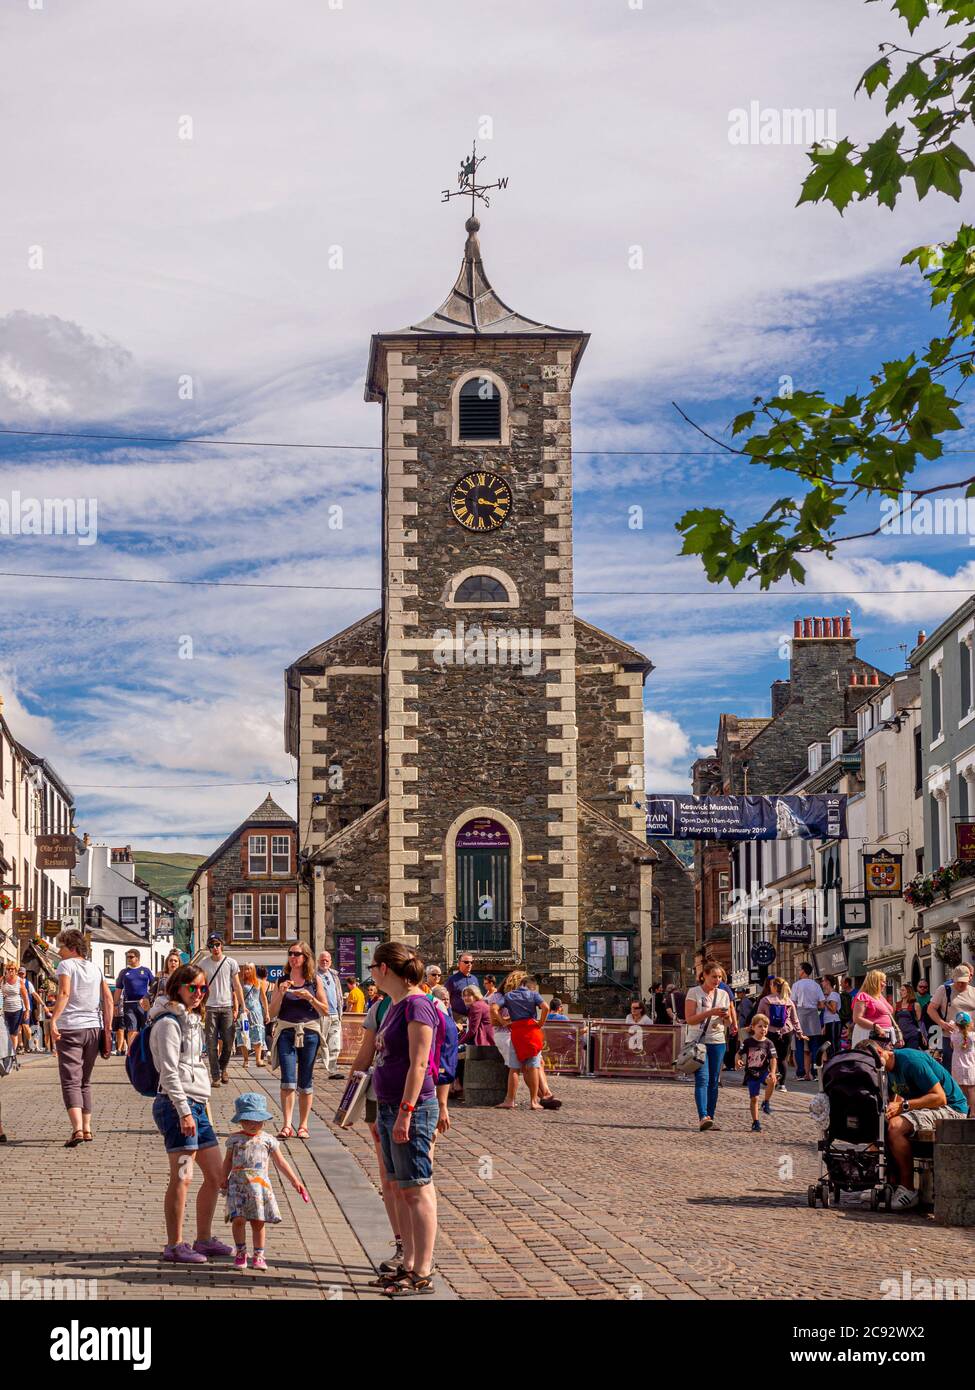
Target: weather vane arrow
[467,185]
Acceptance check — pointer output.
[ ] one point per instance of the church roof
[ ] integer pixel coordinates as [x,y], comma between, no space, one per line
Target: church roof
[472,309]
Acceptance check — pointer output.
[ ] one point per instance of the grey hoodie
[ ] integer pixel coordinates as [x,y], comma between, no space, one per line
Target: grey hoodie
[178,1050]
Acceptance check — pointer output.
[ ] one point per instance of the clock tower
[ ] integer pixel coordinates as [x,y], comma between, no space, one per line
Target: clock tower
[471,754]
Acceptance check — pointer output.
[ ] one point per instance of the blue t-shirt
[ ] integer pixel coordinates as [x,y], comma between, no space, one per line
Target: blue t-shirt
[134,983]
[456,984]
[916,1073]
[557,1018]
[522,1003]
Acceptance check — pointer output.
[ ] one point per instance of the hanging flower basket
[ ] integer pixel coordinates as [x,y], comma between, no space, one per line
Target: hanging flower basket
[948,949]
[919,892]
[945,877]
[5,901]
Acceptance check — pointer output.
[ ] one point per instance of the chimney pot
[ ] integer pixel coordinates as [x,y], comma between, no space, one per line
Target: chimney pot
[796,632]
[847,627]
[807,627]
[837,627]
[875,678]
[854,678]
[921,637]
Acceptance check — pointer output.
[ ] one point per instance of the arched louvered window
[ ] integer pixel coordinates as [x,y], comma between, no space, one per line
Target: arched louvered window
[479,409]
[481,588]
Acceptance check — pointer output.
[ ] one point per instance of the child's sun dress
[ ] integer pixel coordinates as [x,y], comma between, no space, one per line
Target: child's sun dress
[250,1196]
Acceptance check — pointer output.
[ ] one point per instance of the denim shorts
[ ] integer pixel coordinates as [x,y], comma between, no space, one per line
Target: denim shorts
[168,1124]
[297,1063]
[410,1163]
[535,1061]
[756,1084]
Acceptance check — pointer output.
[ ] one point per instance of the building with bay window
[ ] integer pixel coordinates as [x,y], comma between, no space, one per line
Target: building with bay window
[246,891]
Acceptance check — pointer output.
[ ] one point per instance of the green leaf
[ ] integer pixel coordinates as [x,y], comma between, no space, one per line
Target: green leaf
[877,75]
[914,11]
[834,177]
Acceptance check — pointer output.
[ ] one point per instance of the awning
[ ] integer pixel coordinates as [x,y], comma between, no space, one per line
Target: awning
[47,959]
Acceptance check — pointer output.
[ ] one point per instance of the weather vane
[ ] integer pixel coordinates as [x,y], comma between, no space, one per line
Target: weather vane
[467,185]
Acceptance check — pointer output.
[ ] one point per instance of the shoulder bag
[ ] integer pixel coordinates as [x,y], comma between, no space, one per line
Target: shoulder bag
[693,1055]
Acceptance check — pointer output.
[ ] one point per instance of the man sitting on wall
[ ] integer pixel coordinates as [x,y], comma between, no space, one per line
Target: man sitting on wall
[923,1094]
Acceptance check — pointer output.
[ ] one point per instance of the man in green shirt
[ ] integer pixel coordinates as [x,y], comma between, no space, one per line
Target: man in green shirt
[924,1092]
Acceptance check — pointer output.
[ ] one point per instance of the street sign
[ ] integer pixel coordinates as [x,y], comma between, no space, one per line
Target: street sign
[854,913]
[794,926]
[70,919]
[24,923]
[755,976]
[762,953]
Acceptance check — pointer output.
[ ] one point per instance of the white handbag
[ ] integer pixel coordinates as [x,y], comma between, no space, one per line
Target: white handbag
[693,1055]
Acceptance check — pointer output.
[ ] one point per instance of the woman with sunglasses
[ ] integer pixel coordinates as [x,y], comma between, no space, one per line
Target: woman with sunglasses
[298,1005]
[178,1049]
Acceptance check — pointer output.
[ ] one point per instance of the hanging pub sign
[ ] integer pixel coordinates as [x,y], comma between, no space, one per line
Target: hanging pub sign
[883,874]
[965,841]
[746,817]
[55,852]
[24,923]
[795,926]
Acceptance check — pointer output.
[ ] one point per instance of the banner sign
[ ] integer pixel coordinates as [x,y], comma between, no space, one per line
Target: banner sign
[634,1049]
[795,926]
[55,852]
[965,841]
[883,874]
[565,1048]
[746,817]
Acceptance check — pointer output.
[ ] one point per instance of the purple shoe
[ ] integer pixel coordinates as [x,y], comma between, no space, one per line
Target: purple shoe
[182,1254]
[212,1247]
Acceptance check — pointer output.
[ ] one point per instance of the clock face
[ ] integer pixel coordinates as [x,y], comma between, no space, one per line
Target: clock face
[480,501]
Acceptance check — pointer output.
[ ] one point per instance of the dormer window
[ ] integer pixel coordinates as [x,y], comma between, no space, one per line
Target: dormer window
[481,588]
[479,410]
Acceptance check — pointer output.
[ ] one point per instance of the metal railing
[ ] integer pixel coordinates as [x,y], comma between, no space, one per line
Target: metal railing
[502,938]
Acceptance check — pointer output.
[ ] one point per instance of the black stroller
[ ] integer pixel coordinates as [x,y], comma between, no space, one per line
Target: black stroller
[853,1148]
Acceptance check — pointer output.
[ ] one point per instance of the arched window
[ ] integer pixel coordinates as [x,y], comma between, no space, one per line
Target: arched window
[481,588]
[479,409]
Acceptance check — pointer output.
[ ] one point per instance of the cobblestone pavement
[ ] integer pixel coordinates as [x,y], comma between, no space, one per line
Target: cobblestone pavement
[617,1195]
[95,1212]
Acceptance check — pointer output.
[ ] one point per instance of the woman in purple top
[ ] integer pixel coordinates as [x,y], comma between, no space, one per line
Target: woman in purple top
[408,1111]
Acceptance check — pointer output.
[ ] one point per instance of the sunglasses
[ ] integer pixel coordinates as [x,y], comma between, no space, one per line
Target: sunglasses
[295,953]
[198,989]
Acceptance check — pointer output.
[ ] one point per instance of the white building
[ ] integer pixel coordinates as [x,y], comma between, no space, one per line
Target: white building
[51,887]
[20,823]
[130,910]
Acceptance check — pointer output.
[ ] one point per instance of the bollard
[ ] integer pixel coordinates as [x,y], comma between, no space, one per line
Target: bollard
[954,1172]
[485,1076]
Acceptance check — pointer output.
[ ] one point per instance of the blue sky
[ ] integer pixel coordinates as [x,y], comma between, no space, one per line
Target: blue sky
[214,259]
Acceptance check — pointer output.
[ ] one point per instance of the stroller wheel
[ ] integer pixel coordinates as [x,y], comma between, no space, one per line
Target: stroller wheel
[811,1194]
[824,1193]
[876,1197]
[888,1196]
[836,1194]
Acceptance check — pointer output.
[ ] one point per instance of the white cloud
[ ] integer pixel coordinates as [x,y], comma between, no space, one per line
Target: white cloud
[667,753]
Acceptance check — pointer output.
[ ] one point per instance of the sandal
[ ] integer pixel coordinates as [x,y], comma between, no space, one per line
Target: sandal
[410,1284]
[550,1103]
[75,1139]
[303,1132]
[390,1277]
[87,1136]
[286,1132]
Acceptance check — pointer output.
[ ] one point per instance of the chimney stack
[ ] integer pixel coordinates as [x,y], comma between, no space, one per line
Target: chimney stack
[922,637]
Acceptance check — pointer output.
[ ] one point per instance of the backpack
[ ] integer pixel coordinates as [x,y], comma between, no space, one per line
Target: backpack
[777,1014]
[140,1065]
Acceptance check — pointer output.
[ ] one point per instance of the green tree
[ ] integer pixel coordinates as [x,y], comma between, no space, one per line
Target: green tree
[870,443]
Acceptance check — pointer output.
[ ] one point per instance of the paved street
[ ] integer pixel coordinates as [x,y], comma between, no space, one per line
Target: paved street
[615,1196]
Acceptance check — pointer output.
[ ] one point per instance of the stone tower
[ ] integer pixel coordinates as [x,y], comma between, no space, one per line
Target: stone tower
[469,755]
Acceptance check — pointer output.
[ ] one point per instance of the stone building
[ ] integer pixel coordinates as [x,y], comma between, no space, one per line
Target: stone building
[760,756]
[467,752]
[246,891]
